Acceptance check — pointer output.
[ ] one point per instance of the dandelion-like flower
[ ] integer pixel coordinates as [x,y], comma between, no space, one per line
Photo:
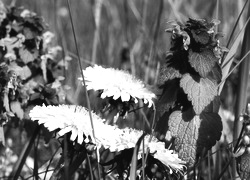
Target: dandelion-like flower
[166,156]
[117,84]
[75,119]
[67,118]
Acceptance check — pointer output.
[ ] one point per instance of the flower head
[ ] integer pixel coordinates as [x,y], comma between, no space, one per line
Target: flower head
[67,118]
[166,156]
[75,119]
[117,84]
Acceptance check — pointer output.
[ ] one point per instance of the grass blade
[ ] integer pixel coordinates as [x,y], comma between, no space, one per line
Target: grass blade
[152,48]
[241,100]
[229,58]
[22,158]
[133,167]
[234,28]
[97,17]
[84,83]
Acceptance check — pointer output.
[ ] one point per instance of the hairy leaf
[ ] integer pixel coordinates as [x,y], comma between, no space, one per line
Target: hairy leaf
[194,133]
[209,131]
[244,166]
[202,62]
[186,135]
[214,105]
[200,37]
[168,73]
[200,93]
[169,95]
[215,74]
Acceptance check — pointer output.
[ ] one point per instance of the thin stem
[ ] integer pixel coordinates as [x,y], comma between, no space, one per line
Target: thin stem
[209,165]
[224,169]
[66,159]
[234,68]
[22,158]
[50,161]
[90,168]
[234,28]
[152,48]
[97,17]
[238,140]
[84,83]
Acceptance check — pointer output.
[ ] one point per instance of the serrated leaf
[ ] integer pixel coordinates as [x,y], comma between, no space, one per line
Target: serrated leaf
[244,166]
[215,74]
[194,133]
[28,33]
[209,131]
[168,73]
[202,62]
[199,93]
[186,135]
[214,105]
[27,56]
[169,95]
[201,37]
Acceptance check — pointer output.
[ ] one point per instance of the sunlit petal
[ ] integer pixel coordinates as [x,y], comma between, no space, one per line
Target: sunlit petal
[117,83]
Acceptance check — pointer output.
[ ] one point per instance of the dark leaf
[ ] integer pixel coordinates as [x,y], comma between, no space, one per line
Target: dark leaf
[121,162]
[168,73]
[200,37]
[200,92]
[169,95]
[162,125]
[214,105]
[210,130]
[215,74]
[202,62]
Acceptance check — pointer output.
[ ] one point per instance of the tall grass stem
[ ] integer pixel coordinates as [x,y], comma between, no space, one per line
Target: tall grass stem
[84,83]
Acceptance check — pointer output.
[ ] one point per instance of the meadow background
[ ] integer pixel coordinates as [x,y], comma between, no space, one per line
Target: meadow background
[129,32]
[130,35]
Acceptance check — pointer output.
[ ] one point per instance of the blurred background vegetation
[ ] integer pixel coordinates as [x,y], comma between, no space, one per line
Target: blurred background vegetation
[130,35]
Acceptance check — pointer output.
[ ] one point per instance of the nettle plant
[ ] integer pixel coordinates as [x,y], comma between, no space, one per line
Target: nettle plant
[187,107]
[189,80]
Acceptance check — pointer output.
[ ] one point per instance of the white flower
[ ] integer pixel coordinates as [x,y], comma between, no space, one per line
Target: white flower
[166,156]
[75,119]
[68,118]
[117,84]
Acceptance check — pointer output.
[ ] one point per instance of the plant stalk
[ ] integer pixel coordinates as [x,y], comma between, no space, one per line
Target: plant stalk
[241,100]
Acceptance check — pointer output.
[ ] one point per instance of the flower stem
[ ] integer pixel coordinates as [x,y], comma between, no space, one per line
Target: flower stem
[85,88]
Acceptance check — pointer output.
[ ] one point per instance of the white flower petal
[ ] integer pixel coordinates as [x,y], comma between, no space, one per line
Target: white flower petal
[64,130]
[74,134]
[76,120]
[116,83]
[125,96]
[80,137]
